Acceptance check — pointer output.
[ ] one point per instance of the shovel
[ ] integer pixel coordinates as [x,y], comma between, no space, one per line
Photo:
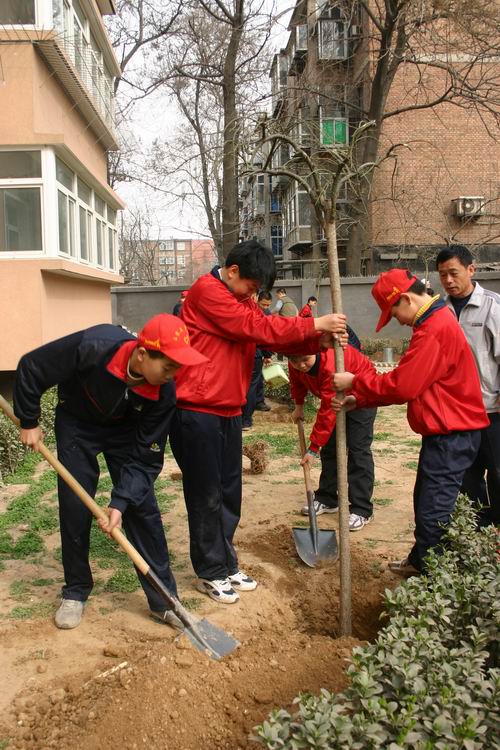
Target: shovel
[313,544]
[206,637]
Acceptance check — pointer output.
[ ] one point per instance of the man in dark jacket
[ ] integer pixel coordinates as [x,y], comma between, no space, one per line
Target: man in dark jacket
[116,397]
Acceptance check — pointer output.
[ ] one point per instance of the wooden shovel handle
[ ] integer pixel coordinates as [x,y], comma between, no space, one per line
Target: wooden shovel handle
[303,451]
[84,496]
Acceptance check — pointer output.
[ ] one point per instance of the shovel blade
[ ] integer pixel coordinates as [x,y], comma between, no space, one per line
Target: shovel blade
[311,553]
[210,639]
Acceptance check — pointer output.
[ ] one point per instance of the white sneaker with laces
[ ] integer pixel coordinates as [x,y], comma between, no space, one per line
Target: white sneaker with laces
[320,508]
[356,523]
[218,590]
[69,614]
[242,582]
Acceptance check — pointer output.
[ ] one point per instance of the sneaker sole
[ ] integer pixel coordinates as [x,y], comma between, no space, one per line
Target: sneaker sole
[305,511]
[244,586]
[221,598]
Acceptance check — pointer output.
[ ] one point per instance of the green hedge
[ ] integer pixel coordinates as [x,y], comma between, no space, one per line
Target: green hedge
[12,451]
[431,678]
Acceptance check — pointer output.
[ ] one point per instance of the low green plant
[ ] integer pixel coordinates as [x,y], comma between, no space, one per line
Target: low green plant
[383,501]
[431,679]
[123,581]
[12,452]
[413,465]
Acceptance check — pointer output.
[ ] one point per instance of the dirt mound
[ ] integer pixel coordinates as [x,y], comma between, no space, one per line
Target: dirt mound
[162,693]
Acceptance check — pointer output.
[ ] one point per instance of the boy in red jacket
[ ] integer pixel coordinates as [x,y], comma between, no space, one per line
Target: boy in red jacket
[438,379]
[225,324]
[313,373]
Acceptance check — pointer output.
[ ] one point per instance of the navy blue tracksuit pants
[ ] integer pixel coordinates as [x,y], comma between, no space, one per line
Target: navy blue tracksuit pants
[78,445]
[253,391]
[360,466]
[208,450]
[442,463]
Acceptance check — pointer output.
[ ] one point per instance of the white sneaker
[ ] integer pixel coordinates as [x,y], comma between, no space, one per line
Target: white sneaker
[242,582]
[218,590]
[356,523]
[320,508]
[69,614]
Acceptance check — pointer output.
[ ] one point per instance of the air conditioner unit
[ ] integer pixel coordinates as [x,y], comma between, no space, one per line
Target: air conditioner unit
[469,206]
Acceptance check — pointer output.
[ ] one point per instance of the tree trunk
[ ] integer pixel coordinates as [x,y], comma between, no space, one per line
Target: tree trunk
[345,619]
[230,223]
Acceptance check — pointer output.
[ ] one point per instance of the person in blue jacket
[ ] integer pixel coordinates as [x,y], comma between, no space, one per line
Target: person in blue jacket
[116,397]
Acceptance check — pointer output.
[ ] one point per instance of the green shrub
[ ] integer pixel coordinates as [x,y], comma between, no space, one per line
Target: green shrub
[12,451]
[431,678]
[372,346]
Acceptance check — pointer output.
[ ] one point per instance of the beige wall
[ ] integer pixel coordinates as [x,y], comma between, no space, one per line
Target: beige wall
[35,110]
[42,300]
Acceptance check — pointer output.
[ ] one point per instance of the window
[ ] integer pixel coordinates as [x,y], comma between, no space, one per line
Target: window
[167,245]
[277,240]
[258,195]
[64,175]
[20,219]
[181,261]
[111,216]
[16,165]
[66,219]
[99,226]
[334,131]
[304,209]
[332,42]
[180,245]
[17,12]
[84,239]
[111,248]
[274,198]
[84,192]
[100,206]
[170,260]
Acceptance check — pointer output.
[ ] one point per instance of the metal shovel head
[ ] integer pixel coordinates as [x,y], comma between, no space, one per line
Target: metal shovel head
[311,553]
[210,639]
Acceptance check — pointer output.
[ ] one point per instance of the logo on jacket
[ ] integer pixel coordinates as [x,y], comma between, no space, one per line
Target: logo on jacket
[155,448]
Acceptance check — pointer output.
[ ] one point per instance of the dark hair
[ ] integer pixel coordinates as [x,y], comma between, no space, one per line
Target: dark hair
[154,354]
[418,287]
[312,299]
[264,295]
[281,290]
[255,262]
[460,252]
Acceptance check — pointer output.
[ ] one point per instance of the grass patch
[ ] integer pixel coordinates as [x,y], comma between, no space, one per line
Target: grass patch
[282,444]
[25,470]
[413,443]
[123,581]
[301,523]
[29,544]
[43,609]
[192,603]
[43,581]
[385,451]
[383,501]
[413,465]
[383,435]
[19,589]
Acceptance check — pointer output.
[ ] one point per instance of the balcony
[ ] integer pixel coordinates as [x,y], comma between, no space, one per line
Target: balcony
[298,49]
[279,76]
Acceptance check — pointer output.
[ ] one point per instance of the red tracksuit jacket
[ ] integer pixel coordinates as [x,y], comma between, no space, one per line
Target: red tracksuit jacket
[321,385]
[226,330]
[437,377]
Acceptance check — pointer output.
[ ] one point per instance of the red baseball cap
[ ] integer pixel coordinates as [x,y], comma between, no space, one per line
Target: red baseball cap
[388,289]
[168,334]
[184,294]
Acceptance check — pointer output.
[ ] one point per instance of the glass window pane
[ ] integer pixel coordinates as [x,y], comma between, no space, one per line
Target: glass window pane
[71,206]
[20,164]
[84,251]
[64,175]
[340,131]
[100,206]
[304,210]
[89,236]
[111,249]
[98,226]
[62,205]
[17,11]
[84,192]
[20,219]
[112,216]
[79,12]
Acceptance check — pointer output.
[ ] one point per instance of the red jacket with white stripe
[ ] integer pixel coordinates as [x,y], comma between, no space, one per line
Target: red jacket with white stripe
[437,377]
[226,330]
[321,386]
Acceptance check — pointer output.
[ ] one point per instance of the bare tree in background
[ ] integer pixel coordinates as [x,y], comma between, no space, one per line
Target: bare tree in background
[138,250]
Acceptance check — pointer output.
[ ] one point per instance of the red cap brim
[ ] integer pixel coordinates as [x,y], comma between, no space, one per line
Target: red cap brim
[185,356]
[385,317]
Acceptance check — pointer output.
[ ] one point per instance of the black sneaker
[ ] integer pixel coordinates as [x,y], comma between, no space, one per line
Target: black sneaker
[262,406]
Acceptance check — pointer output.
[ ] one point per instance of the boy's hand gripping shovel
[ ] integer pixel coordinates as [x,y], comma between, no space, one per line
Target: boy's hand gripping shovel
[206,637]
[313,544]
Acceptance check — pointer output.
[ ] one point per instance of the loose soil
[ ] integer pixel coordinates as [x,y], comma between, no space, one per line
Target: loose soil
[121,680]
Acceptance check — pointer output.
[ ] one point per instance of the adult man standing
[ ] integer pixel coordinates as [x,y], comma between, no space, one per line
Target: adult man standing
[478,312]
[285,306]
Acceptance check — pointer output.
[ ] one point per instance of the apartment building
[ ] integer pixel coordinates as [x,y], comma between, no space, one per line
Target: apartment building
[58,214]
[168,262]
[443,187]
